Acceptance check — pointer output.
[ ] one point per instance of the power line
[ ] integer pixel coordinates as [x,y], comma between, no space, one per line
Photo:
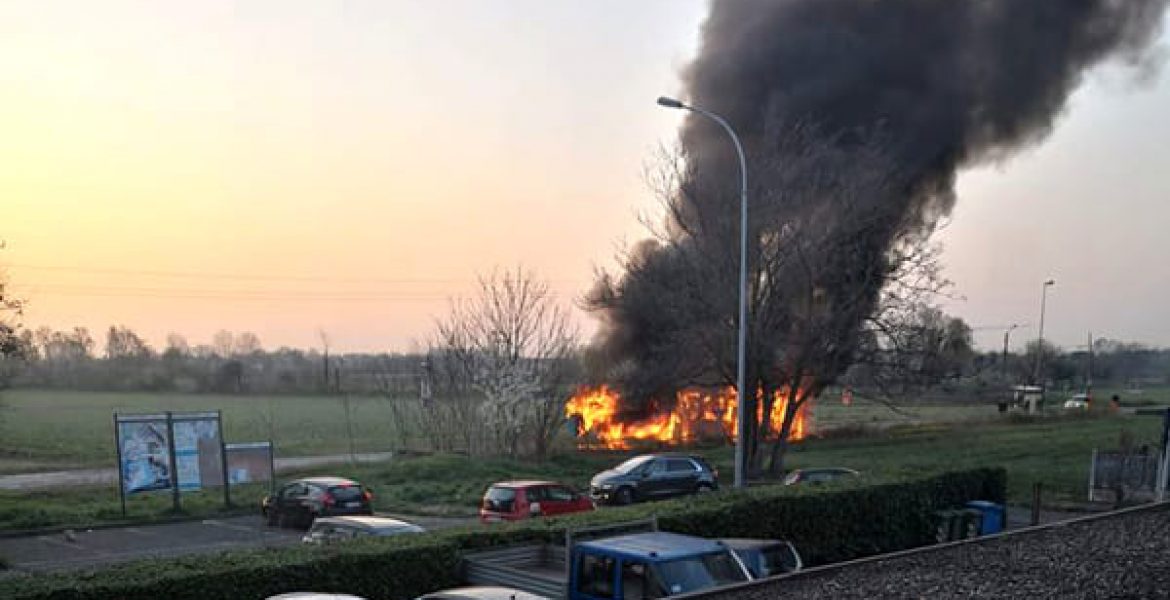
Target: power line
[237,294]
[251,277]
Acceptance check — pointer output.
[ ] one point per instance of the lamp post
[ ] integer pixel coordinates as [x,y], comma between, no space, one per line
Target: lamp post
[741,352]
[1038,373]
[1006,335]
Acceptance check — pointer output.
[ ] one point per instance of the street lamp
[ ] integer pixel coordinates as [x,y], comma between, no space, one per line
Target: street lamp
[1006,334]
[1036,376]
[740,392]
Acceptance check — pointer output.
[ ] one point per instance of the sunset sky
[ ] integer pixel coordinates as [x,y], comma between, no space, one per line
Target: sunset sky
[294,167]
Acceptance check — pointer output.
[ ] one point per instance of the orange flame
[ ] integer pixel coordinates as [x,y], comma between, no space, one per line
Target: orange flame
[697,415]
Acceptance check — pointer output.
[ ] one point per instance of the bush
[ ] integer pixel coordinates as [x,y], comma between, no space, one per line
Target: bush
[831,523]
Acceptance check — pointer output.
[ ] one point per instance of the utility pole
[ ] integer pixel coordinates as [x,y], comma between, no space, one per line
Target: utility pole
[1003,363]
[741,394]
[1089,371]
[1038,373]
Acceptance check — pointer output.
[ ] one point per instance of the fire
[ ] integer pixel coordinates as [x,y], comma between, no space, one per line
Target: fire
[696,415]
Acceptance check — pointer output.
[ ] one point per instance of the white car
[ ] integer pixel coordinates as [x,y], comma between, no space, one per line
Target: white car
[1078,402]
[314,596]
[330,530]
[481,593]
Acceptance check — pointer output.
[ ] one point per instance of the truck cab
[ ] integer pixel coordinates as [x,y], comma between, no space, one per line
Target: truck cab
[650,565]
[632,566]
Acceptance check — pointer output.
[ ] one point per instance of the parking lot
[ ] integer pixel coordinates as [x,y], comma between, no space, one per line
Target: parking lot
[75,549]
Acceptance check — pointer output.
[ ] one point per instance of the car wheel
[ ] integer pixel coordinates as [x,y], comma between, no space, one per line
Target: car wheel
[704,488]
[283,521]
[624,496]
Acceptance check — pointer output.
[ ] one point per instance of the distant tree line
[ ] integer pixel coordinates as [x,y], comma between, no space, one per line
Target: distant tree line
[233,363]
[934,359]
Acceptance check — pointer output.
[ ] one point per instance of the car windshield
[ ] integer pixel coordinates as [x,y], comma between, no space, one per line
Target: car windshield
[769,561]
[699,572]
[633,463]
[346,493]
[780,558]
[499,499]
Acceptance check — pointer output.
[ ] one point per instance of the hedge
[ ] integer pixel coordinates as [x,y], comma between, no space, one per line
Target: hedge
[828,524]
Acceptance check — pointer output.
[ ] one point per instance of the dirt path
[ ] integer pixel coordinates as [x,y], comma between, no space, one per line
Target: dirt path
[93,477]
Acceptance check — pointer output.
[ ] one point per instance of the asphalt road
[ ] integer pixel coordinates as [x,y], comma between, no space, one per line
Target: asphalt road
[78,549]
[89,477]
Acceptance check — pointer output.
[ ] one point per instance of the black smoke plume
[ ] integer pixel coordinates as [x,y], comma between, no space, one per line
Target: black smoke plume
[948,83]
[955,82]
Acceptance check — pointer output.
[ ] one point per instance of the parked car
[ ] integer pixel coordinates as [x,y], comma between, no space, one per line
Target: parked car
[314,596]
[482,592]
[298,503]
[329,530]
[515,500]
[817,476]
[651,476]
[765,558]
[1077,402]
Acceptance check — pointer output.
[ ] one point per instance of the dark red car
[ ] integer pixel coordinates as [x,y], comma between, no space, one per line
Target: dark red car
[515,500]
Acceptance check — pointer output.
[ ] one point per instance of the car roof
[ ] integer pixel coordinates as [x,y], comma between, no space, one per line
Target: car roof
[484,592]
[524,483]
[326,481]
[313,596]
[672,455]
[659,545]
[750,543]
[366,522]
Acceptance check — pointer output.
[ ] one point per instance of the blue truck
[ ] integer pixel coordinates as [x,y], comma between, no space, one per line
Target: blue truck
[651,564]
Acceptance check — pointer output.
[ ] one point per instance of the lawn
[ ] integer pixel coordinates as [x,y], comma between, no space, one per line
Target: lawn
[41,430]
[50,430]
[1053,450]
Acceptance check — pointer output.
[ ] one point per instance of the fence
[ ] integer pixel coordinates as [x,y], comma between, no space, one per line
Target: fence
[1115,476]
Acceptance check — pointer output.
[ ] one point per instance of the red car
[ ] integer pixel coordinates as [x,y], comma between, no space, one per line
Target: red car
[515,500]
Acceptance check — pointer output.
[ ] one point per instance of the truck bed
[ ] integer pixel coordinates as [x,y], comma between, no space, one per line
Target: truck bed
[536,568]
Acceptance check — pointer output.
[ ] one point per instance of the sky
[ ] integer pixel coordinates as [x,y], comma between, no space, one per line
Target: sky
[292,168]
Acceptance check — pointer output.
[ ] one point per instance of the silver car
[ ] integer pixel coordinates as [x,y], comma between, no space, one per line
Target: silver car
[330,530]
[482,592]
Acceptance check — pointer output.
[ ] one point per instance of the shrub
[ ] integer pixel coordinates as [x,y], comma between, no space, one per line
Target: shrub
[830,523]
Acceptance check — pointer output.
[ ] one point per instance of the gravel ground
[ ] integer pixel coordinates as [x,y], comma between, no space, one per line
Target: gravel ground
[1121,556]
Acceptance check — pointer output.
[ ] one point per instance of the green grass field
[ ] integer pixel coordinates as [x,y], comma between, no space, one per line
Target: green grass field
[48,430]
[1052,451]
[42,430]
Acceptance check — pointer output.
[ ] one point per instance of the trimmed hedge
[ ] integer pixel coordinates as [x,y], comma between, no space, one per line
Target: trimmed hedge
[828,524]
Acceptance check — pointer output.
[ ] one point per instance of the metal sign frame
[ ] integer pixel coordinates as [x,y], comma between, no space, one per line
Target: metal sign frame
[169,419]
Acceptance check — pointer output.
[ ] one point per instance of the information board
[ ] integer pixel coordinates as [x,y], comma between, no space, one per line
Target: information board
[144,453]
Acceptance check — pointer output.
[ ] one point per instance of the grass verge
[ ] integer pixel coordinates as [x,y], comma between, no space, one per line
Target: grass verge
[1052,451]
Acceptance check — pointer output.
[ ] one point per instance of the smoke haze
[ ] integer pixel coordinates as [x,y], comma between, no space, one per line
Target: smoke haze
[953,83]
[941,85]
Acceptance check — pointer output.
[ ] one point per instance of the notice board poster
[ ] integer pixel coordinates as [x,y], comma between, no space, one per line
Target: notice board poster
[249,463]
[197,451]
[144,450]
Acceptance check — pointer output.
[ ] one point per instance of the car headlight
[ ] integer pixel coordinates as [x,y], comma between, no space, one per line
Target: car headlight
[605,486]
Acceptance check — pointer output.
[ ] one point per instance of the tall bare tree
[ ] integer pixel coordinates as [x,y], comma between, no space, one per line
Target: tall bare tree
[12,343]
[504,360]
[826,236]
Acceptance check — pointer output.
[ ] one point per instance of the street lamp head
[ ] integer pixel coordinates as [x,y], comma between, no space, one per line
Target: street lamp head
[1050,282]
[670,102]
